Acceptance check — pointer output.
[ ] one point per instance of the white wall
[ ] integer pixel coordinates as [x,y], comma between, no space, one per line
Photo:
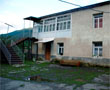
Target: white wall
[55,34]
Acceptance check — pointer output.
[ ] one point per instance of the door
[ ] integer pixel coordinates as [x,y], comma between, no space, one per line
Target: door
[47,50]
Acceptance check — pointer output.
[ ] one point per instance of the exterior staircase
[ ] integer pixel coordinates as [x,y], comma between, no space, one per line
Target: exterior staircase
[10,49]
[13,54]
[15,59]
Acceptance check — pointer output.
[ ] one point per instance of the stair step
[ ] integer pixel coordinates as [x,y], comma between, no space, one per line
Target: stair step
[16,63]
[15,59]
[14,54]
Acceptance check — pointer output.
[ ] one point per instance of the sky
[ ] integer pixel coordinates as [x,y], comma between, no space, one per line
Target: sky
[13,11]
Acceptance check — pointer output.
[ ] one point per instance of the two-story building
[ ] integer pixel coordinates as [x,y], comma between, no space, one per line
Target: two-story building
[77,34]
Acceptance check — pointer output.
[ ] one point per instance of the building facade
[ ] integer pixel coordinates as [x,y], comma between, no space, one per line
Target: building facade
[76,34]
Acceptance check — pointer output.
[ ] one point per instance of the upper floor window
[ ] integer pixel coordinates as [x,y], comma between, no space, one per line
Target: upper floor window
[55,23]
[98,20]
[63,22]
[49,25]
[40,27]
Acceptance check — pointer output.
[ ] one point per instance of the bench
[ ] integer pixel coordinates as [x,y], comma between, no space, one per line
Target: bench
[70,62]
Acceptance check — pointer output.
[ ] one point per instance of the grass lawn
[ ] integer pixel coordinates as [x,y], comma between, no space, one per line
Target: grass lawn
[52,72]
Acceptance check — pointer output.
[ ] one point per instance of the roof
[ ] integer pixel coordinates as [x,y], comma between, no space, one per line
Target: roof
[44,40]
[68,11]
[32,18]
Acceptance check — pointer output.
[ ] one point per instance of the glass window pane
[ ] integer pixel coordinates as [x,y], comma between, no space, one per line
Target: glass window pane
[100,22]
[47,29]
[97,44]
[61,26]
[38,28]
[68,25]
[57,26]
[96,23]
[96,52]
[50,27]
[44,28]
[41,28]
[53,27]
[100,51]
[64,26]
[60,48]
[63,18]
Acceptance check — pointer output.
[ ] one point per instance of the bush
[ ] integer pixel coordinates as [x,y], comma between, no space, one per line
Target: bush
[55,61]
[40,59]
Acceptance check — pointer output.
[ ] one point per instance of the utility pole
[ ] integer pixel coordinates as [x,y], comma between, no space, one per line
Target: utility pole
[8,26]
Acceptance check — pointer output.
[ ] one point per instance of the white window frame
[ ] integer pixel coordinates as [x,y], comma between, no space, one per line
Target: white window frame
[62,22]
[98,53]
[60,47]
[97,16]
[48,25]
[55,26]
[40,27]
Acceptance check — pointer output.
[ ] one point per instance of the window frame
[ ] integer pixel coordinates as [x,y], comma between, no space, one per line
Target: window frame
[60,48]
[98,47]
[49,25]
[62,22]
[54,26]
[98,17]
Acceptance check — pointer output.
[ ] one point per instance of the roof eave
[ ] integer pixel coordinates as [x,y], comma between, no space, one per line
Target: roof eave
[35,19]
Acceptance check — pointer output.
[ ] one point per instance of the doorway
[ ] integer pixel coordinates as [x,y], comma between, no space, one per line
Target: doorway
[47,50]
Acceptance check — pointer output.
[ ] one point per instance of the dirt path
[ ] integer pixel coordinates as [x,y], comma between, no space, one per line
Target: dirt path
[8,84]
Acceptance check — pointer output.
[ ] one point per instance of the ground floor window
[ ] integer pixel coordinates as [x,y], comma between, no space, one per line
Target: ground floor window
[97,49]
[60,48]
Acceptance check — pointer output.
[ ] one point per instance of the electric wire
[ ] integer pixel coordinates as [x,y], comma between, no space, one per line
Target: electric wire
[83,6]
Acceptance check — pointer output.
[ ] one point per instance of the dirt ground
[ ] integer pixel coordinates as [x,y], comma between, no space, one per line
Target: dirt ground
[8,84]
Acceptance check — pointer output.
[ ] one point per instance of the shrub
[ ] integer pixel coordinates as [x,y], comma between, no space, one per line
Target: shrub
[40,59]
[55,61]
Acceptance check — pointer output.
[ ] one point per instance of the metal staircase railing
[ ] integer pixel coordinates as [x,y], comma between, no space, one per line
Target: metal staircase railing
[15,48]
[5,51]
[18,51]
[12,41]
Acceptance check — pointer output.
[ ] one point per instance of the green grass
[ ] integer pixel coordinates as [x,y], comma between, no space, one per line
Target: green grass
[73,75]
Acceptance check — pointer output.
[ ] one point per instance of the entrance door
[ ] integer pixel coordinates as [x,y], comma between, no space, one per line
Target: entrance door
[47,50]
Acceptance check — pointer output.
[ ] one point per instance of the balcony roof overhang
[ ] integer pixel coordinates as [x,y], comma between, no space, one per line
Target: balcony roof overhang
[45,40]
[32,19]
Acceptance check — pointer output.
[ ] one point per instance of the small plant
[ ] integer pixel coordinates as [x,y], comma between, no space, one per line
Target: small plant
[55,61]
[40,59]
